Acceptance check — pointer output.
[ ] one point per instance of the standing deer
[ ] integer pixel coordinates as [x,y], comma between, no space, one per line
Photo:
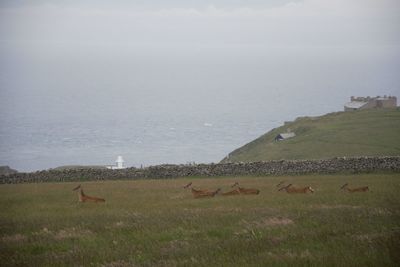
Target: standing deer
[353,190]
[290,189]
[85,198]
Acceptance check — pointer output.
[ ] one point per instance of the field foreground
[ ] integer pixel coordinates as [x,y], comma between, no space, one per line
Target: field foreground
[158,223]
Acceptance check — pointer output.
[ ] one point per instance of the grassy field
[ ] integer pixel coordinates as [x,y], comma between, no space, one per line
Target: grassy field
[158,223]
[358,133]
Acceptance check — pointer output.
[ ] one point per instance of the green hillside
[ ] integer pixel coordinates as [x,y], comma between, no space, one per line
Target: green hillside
[358,133]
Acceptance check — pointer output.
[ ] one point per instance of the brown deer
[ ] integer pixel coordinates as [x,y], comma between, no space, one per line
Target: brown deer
[290,189]
[246,191]
[197,194]
[86,198]
[235,184]
[194,191]
[199,191]
[188,185]
[353,190]
[280,184]
[231,193]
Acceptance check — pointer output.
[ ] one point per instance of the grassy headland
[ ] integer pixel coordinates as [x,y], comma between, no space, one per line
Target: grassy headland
[360,133]
[158,223]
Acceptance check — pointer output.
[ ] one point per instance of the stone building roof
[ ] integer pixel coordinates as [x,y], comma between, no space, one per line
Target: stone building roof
[283,136]
[355,104]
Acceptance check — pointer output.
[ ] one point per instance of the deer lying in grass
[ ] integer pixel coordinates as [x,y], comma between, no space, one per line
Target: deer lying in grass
[353,190]
[246,191]
[290,189]
[231,193]
[85,198]
[280,184]
[199,191]
[194,191]
[200,194]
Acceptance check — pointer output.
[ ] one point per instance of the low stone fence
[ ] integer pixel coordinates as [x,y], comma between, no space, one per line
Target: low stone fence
[278,167]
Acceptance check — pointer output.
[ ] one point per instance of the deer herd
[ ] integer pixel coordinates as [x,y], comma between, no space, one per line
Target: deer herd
[198,193]
[204,193]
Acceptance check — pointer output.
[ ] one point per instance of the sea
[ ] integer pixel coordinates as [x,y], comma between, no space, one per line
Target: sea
[85,104]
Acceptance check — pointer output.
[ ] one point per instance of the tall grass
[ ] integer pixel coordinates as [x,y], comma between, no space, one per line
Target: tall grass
[158,223]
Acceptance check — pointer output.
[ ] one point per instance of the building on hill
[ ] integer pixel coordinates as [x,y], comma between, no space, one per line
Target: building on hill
[358,103]
[283,136]
[119,164]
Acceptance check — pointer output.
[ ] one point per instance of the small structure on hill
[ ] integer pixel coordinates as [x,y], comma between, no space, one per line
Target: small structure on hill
[358,103]
[119,164]
[284,136]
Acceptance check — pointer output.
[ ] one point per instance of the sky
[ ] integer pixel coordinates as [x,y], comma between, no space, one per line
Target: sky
[273,22]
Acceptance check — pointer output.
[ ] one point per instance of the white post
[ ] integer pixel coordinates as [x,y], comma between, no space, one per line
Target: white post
[120,162]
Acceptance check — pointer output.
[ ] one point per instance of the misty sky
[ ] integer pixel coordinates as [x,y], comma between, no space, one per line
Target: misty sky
[230,49]
[269,22]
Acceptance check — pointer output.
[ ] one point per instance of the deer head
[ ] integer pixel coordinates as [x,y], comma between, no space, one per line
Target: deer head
[188,185]
[285,187]
[281,183]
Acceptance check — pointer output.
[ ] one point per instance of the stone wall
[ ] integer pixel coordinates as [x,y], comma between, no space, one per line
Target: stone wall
[280,167]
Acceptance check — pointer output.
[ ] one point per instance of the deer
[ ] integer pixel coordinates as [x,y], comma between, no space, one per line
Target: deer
[188,185]
[353,190]
[86,198]
[231,193]
[199,191]
[197,194]
[246,191]
[280,184]
[290,189]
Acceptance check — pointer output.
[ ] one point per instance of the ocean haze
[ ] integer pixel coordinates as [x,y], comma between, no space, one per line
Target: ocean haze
[178,83]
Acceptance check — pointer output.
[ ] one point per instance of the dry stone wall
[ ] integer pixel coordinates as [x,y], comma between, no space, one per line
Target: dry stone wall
[280,167]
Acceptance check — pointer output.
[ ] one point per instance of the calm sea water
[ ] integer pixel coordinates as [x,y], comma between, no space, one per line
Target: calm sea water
[86,104]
